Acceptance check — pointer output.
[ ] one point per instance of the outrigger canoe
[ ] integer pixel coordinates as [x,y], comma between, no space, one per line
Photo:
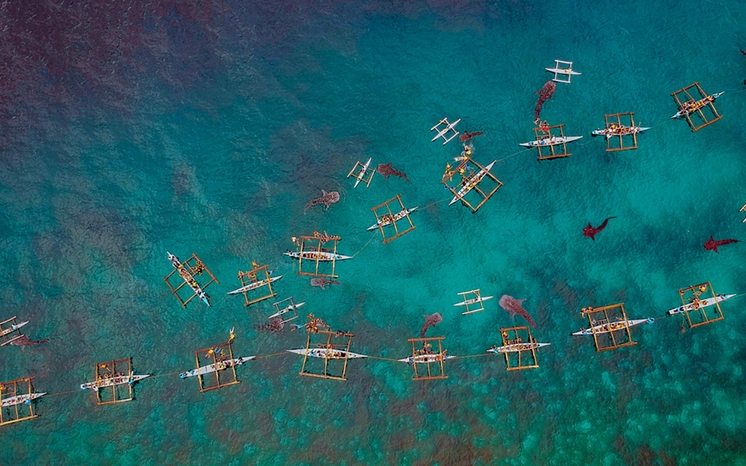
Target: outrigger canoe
[327,353]
[188,278]
[255,285]
[12,328]
[474,300]
[608,327]
[472,182]
[216,366]
[426,358]
[112,381]
[284,310]
[322,256]
[516,347]
[16,400]
[384,222]
[693,306]
[553,141]
[619,131]
[696,105]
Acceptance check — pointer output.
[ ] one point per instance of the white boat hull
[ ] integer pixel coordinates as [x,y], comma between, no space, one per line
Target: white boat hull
[564,71]
[685,113]
[553,141]
[12,329]
[324,353]
[474,300]
[603,132]
[397,217]
[516,347]
[255,285]
[20,399]
[473,181]
[612,326]
[321,256]
[425,358]
[210,368]
[362,172]
[284,310]
[702,303]
[112,381]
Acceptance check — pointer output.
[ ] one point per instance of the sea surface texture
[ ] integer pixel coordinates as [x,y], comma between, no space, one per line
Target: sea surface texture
[130,128]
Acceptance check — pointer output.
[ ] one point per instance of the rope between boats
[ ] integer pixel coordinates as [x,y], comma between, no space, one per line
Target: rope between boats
[366,244]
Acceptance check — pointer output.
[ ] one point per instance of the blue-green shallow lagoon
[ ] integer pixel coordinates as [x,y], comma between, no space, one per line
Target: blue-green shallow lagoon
[130,129]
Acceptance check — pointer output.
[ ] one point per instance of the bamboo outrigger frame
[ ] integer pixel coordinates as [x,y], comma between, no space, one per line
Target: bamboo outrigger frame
[434,370]
[472,301]
[216,354]
[690,99]
[292,310]
[121,393]
[562,69]
[195,267]
[525,357]
[359,172]
[252,277]
[471,181]
[312,245]
[334,350]
[18,412]
[693,295]
[548,133]
[620,335]
[743,209]
[617,142]
[10,330]
[393,217]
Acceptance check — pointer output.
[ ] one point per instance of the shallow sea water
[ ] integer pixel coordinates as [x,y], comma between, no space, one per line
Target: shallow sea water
[129,130]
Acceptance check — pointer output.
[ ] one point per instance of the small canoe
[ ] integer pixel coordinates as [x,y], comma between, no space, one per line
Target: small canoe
[325,353]
[255,285]
[214,367]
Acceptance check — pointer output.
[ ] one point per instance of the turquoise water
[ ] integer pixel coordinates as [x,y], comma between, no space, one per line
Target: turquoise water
[129,130]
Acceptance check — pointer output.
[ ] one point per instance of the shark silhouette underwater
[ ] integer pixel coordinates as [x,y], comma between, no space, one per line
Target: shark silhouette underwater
[713,244]
[591,231]
[386,169]
[23,341]
[515,306]
[430,321]
[327,198]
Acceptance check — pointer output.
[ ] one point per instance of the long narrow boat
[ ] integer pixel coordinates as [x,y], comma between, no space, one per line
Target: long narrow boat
[478,299]
[18,399]
[618,130]
[694,305]
[12,328]
[327,353]
[385,220]
[188,278]
[285,309]
[564,71]
[113,381]
[364,169]
[692,106]
[216,366]
[426,358]
[516,347]
[255,285]
[553,141]
[472,182]
[322,256]
[608,327]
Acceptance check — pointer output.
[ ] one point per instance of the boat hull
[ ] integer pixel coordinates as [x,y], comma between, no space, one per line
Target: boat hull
[550,141]
[323,353]
[474,300]
[17,400]
[322,256]
[284,310]
[112,382]
[397,217]
[255,285]
[210,368]
[563,71]
[473,181]
[425,358]
[516,347]
[12,329]
[612,327]
[703,303]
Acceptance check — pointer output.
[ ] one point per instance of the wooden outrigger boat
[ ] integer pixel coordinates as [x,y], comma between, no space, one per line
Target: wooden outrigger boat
[13,327]
[562,68]
[443,133]
[20,399]
[618,130]
[608,327]
[691,106]
[327,353]
[699,304]
[472,182]
[188,278]
[478,299]
[386,219]
[360,175]
[255,285]
[551,141]
[111,381]
[288,308]
[427,358]
[322,256]
[216,366]
[517,347]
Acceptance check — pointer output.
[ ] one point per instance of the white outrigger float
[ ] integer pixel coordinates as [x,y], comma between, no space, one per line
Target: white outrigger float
[564,69]
[699,304]
[386,219]
[608,327]
[691,106]
[327,353]
[550,141]
[443,132]
[216,366]
[21,399]
[321,256]
[618,130]
[112,381]
[255,285]
[188,278]
[471,182]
